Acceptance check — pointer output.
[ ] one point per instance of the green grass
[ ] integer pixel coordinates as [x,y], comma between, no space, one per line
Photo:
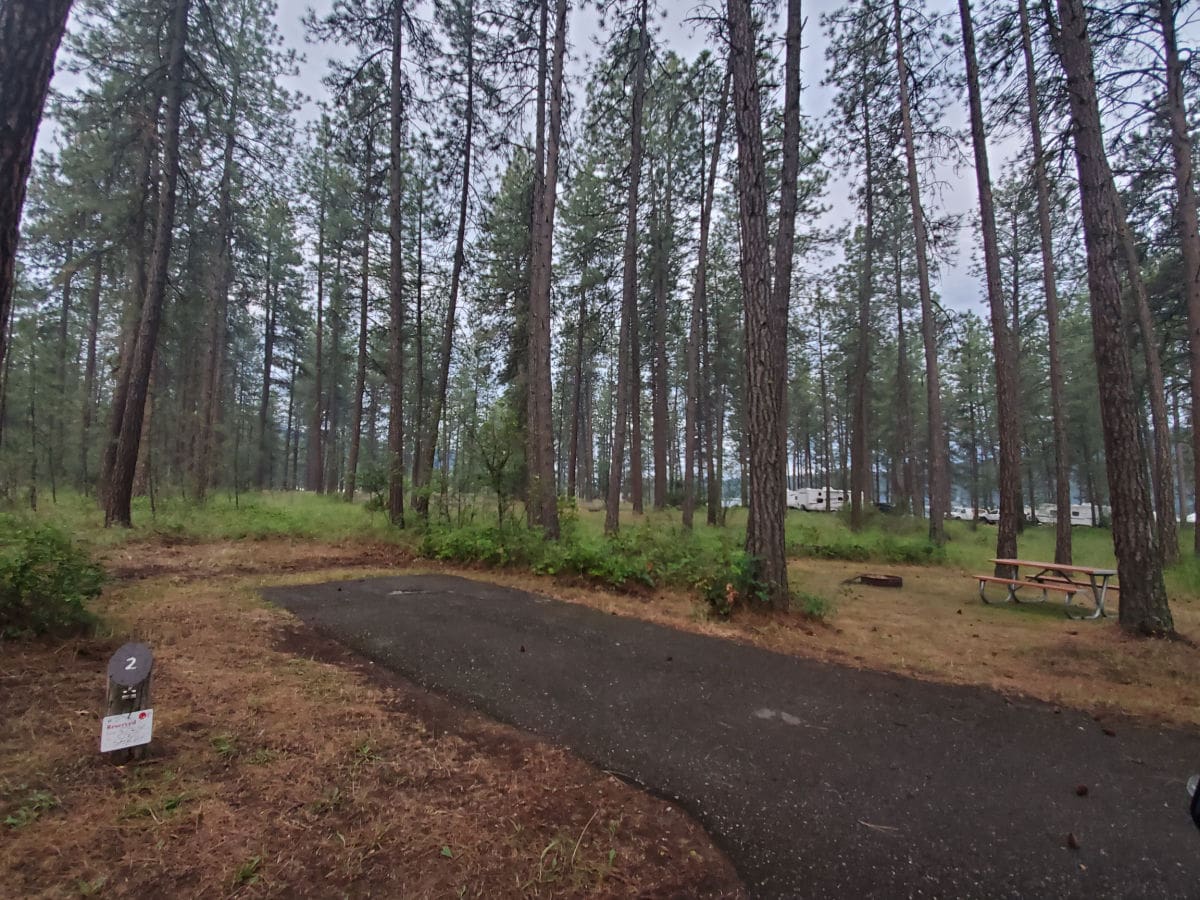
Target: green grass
[293,514]
[651,550]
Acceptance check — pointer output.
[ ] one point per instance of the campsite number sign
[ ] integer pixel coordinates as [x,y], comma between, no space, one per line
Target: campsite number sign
[129,721]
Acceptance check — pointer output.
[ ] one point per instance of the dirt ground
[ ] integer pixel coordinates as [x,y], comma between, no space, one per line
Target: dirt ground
[283,765]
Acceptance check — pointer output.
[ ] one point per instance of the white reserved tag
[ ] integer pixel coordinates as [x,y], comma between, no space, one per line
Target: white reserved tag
[126,730]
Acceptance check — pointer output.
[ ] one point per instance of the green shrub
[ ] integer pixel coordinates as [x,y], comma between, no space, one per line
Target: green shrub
[737,582]
[812,605]
[45,581]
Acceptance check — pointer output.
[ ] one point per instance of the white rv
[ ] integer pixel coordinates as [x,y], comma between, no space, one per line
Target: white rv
[814,500]
[1081,514]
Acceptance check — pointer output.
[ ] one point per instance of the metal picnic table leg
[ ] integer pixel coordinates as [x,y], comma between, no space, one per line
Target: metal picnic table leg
[1099,595]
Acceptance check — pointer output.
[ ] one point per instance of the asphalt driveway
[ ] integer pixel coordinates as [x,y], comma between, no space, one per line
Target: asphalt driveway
[818,780]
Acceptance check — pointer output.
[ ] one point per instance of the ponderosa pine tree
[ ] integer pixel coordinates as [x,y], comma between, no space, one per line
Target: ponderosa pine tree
[1144,608]
[30,32]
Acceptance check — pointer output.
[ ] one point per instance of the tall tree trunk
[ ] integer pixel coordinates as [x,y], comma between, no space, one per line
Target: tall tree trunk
[909,500]
[765,309]
[543,496]
[315,461]
[939,474]
[1058,415]
[217,313]
[264,468]
[1144,608]
[89,370]
[333,455]
[577,398]
[60,371]
[713,419]
[1162,487]
[862,361]
[658,368]
[699,312]
[418,413]
[1175,109]
[137,274]
[30,32]
[421,498]
[364,303]
[396,276]
[1002,340]
[120,486]
[626,353]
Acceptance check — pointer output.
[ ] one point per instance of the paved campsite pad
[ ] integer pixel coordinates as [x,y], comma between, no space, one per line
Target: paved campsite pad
[819,780]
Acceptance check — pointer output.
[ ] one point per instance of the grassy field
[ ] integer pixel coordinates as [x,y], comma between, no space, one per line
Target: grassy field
[810,535]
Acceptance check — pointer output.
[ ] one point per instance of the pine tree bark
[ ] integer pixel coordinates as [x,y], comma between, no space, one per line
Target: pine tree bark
[418,410]
[137,274]
[1007,421]
[543,496]
[396,275]
[577,398]
[89,370]
[314,478]
[627,393]
[1163,485]
[1175,109]
[859,473]
[265,429]
[429,444]
[699,313]
[939,474]
[1058,415]
[217,313]
[765,314]
[30,32]
[658,367]
[1144,608]
[364,303]
[120,486]
[60,374]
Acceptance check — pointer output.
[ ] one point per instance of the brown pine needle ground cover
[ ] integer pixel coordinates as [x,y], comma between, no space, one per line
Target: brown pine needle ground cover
[285,766]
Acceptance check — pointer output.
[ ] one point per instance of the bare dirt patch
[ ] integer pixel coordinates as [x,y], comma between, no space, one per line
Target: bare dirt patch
[285,766]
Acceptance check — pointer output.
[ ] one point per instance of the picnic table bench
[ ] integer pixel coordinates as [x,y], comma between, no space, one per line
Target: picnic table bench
[1049,577]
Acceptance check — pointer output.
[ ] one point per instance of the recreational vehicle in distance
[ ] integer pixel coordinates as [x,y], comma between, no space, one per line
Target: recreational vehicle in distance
[814,500]
[1081,514]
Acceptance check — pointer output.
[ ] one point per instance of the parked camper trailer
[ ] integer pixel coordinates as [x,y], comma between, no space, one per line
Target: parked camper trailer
[814,500]
[1081,514]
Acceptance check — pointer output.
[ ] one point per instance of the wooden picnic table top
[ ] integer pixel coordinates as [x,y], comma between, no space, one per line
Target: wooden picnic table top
[1055,567]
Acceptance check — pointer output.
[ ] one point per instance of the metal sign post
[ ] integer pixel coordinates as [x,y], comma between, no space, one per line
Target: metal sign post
[128,720]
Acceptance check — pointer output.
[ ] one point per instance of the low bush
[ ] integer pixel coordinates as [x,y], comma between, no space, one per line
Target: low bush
[644,556]
[46,580]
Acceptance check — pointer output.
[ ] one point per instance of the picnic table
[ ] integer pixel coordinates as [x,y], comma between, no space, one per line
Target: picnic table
[1050,577]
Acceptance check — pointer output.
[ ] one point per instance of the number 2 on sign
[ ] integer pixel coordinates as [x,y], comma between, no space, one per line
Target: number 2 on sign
[130,663]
